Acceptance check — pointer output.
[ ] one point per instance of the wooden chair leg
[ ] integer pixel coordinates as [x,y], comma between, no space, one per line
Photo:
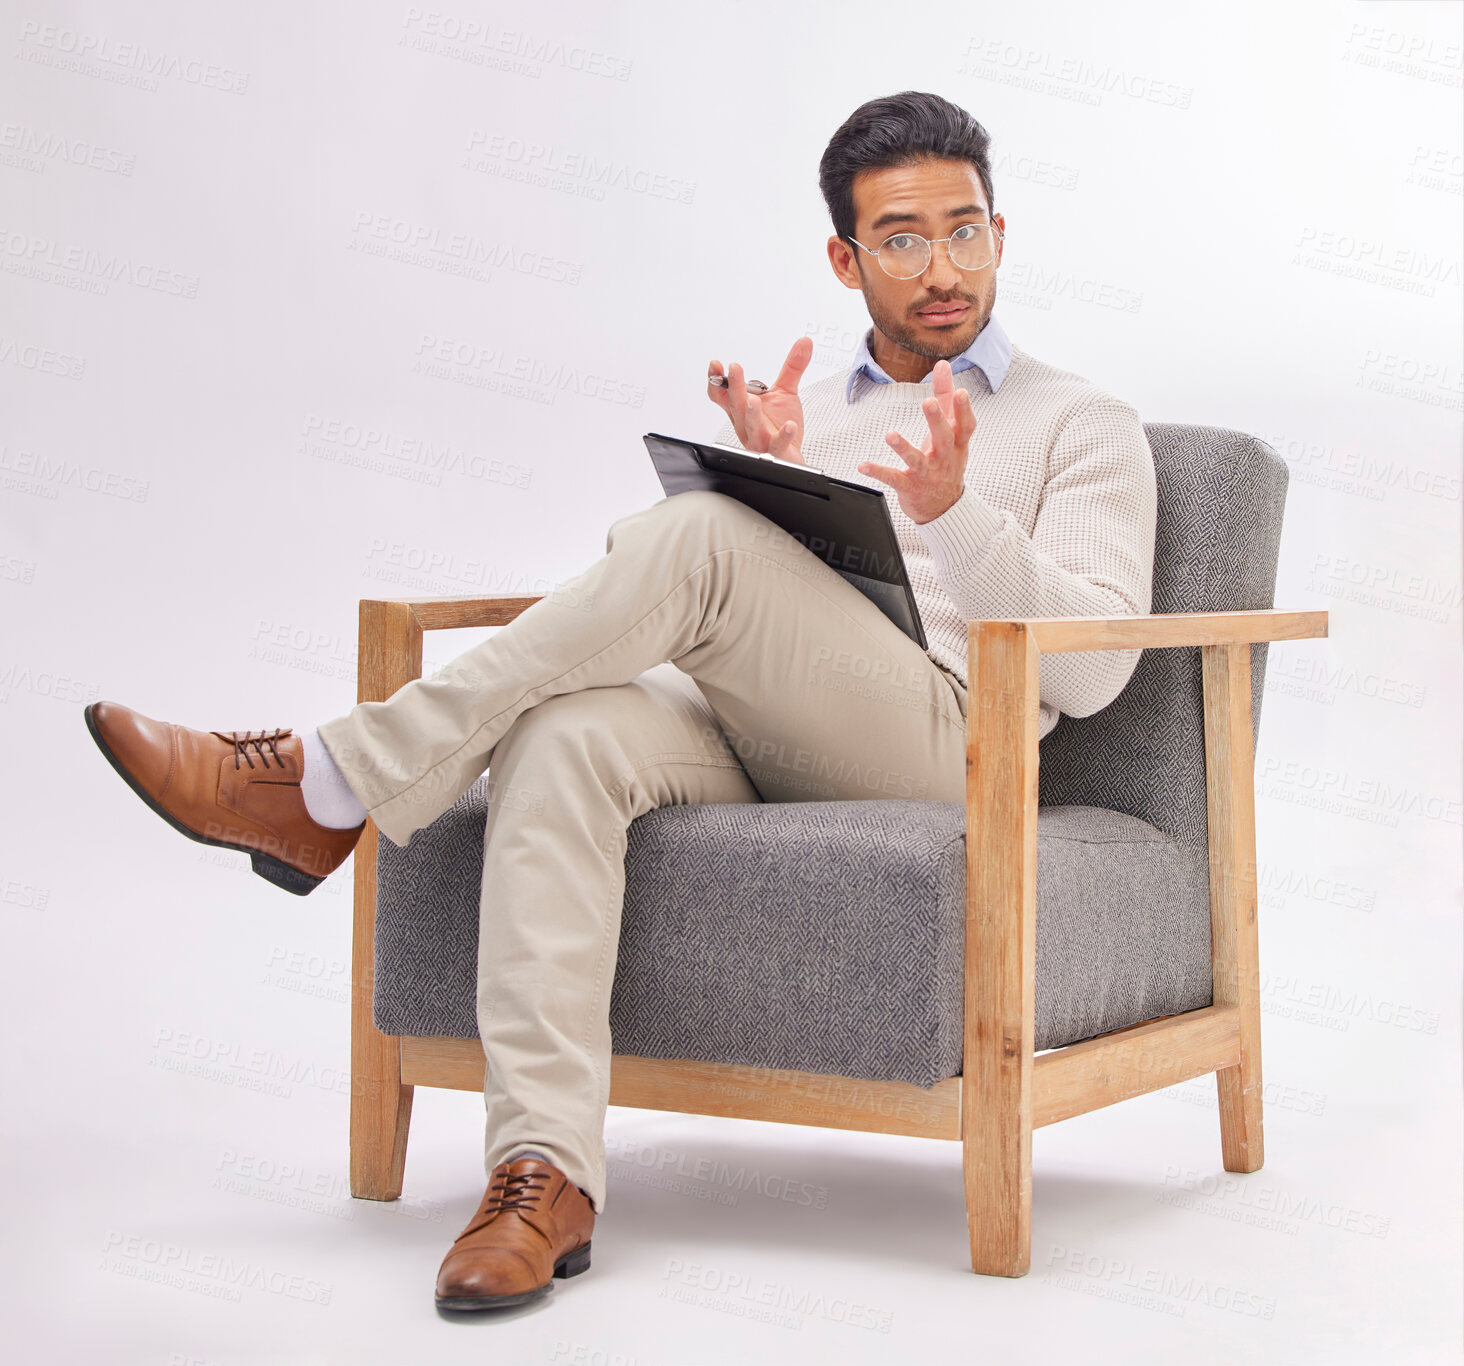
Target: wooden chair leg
[380,1116]
[389,656]
[381,1107]
[1001,920]
[1234,947]
[997,1166]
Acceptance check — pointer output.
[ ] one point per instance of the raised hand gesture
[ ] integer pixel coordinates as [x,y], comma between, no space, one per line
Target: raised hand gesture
[935,476]
[770,422]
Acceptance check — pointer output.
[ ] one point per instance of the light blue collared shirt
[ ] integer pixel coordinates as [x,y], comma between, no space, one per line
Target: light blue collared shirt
[991,353]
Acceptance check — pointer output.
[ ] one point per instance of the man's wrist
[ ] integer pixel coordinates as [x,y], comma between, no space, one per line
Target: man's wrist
[945,509]
[964,531]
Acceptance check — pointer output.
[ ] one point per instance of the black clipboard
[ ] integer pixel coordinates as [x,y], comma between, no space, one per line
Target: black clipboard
[846,525]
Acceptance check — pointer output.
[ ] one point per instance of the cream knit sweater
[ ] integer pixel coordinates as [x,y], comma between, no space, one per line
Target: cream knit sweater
[1057,517]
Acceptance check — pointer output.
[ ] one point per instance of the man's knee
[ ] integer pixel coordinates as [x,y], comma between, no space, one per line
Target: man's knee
[699,519]
[591,725]
[561,717]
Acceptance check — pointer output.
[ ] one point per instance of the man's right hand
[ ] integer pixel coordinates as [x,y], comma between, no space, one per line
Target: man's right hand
[770,423]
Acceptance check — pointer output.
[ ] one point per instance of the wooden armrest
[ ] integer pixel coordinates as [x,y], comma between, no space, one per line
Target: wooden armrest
[390,649]
[1057,635]
[391,630]
[461,610]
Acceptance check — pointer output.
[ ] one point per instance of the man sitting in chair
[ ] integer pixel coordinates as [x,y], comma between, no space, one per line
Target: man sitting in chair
[703,659]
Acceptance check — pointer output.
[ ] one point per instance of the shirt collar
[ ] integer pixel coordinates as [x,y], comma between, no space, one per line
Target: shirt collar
[991,353]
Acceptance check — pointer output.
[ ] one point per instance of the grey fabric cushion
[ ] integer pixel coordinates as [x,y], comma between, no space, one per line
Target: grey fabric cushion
[1217,542]
[829,936]
[822,936]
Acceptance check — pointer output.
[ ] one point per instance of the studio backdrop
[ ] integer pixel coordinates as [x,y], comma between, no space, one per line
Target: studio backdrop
[301,304]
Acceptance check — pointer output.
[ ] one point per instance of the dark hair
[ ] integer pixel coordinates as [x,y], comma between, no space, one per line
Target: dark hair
[894,131]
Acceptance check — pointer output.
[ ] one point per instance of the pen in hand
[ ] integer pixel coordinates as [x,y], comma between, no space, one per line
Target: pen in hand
[768,418]
[754,386]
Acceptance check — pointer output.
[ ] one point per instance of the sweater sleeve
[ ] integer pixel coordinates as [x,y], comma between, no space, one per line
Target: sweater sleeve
[1091,551]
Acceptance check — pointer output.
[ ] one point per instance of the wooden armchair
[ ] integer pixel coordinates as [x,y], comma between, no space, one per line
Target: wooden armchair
[1200,664]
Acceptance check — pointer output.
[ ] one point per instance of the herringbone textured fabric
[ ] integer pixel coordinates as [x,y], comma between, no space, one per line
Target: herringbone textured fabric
[829,936]
[1221,498]
[823,936]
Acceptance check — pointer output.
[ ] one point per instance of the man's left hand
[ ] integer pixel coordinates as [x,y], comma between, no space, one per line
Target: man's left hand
[936,476]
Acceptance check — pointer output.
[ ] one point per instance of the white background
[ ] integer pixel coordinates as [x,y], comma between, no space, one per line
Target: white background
[225,418]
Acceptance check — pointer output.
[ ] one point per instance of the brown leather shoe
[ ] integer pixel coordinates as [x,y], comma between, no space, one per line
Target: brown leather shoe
[234,789]
[533,1222]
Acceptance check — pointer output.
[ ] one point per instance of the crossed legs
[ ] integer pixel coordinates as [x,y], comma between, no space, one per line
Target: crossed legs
[706,657]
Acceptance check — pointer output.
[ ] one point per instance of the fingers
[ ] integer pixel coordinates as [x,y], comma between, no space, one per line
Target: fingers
[752,419]
[746,410]
[739,409]
[942,434]
[799,354]
[947,394]
[913,456]
[715,392]
[896,479]
[965,418]
[785,443]
[736,388]
[941,379]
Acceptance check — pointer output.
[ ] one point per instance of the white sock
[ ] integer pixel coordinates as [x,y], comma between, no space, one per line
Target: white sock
[328,796]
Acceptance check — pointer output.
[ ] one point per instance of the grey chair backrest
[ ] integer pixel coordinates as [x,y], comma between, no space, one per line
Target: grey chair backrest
[1221,495]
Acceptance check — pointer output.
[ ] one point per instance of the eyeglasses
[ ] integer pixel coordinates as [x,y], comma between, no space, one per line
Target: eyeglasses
[907,254]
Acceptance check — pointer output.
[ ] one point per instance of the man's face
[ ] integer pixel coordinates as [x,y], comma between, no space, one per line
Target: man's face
[932,197]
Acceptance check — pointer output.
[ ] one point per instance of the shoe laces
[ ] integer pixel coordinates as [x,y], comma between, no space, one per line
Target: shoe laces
[263,745]
[512,1190]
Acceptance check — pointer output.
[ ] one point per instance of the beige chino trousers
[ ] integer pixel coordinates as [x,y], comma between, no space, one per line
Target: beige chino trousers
[708,657]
